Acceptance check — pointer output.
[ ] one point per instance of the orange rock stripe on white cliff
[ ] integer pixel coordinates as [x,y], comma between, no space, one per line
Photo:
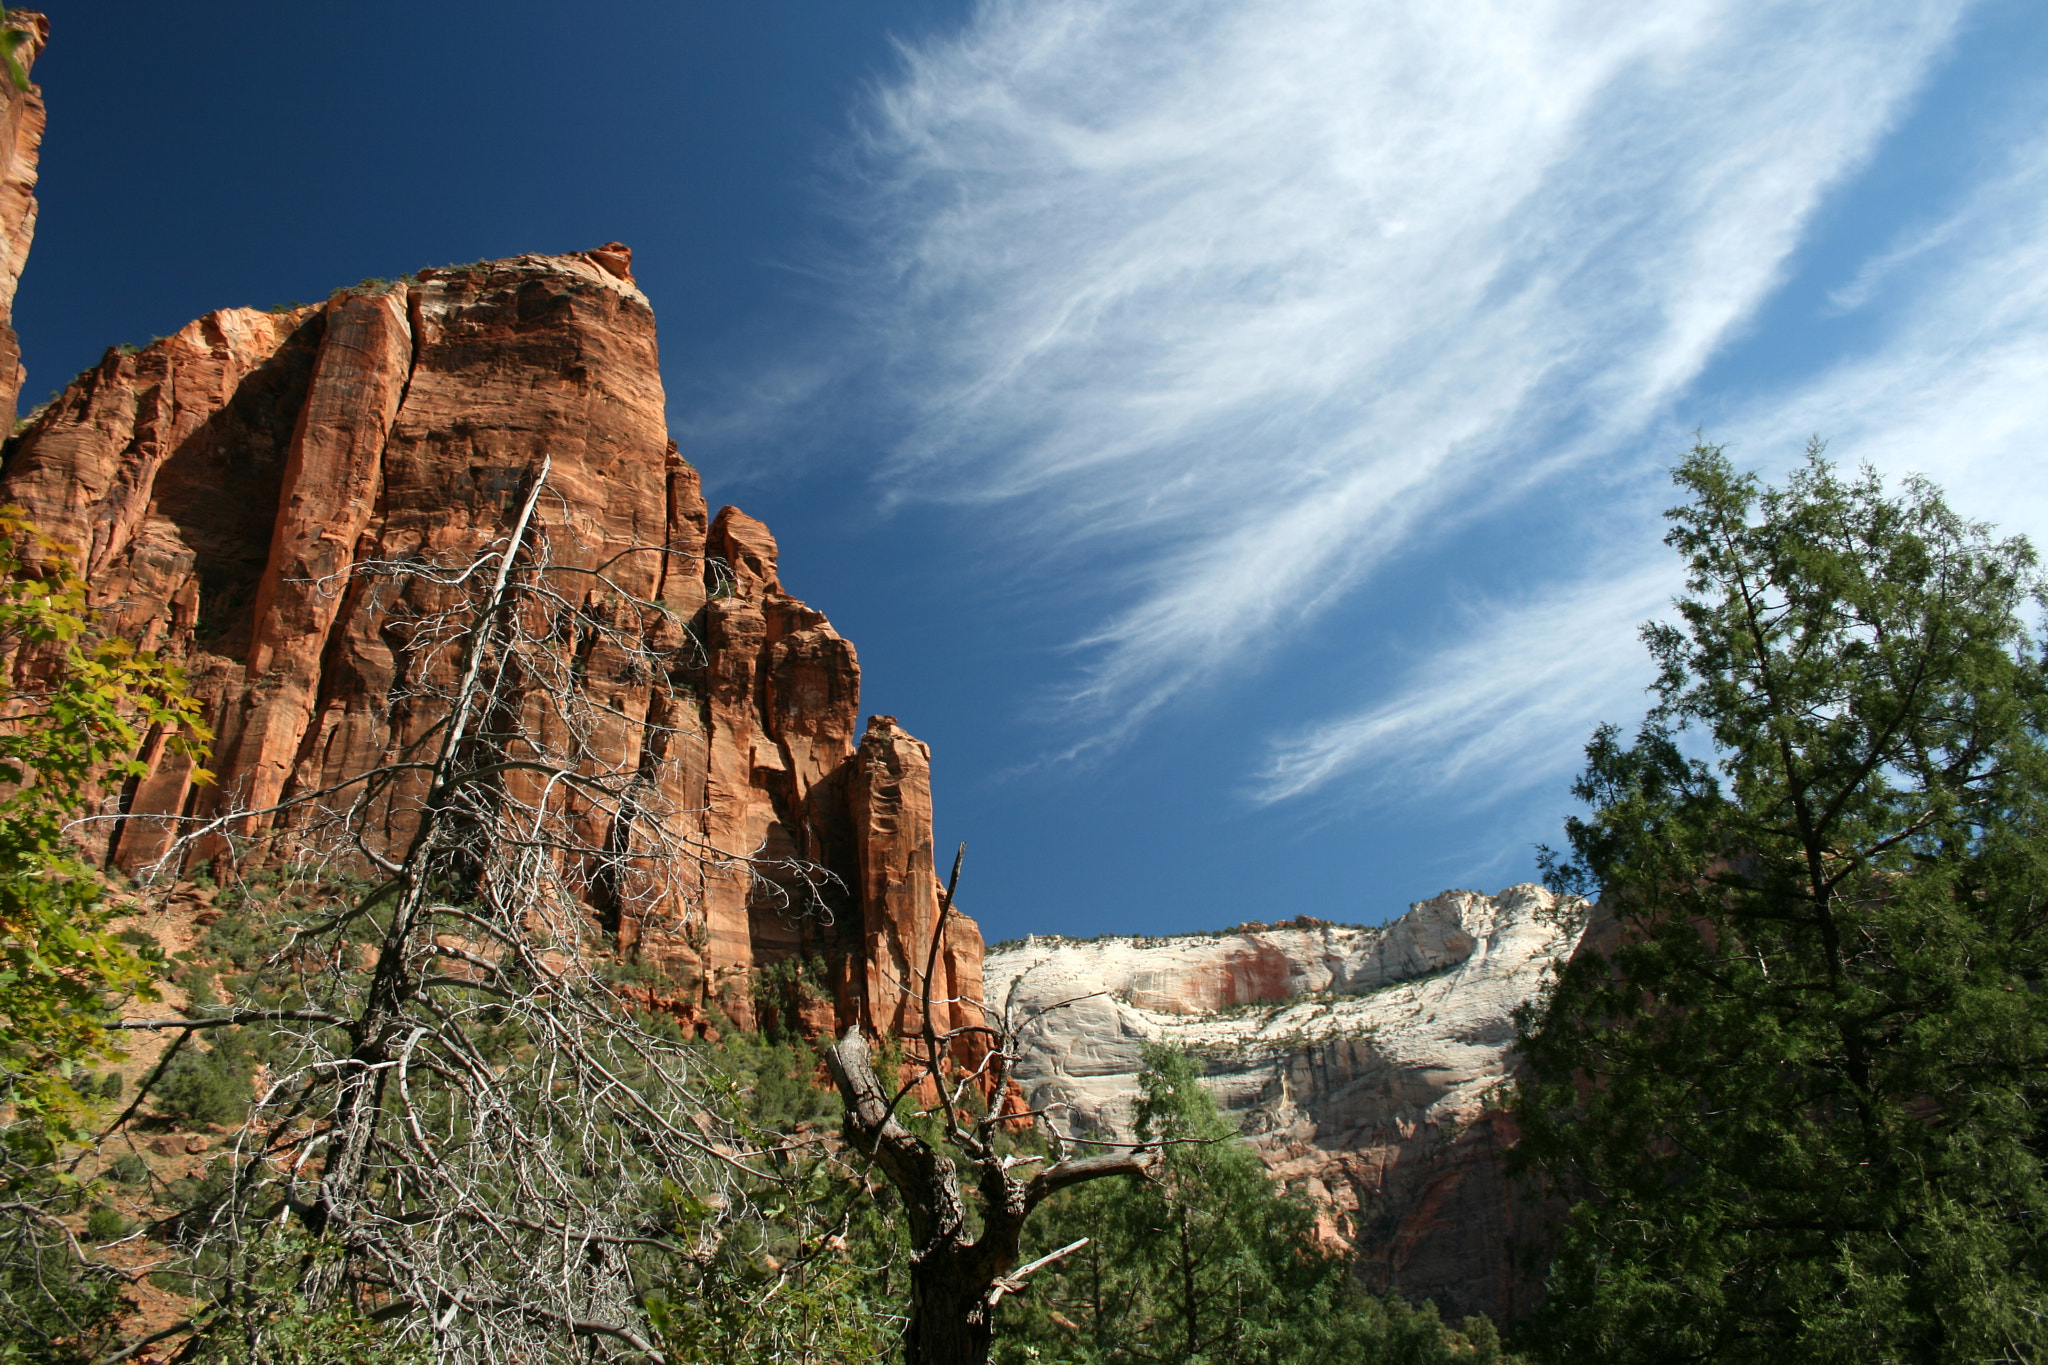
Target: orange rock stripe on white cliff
[1367,1066]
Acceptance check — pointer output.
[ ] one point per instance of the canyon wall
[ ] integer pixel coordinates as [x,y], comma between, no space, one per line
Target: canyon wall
[1366,1066]
[226,486]
[21,140]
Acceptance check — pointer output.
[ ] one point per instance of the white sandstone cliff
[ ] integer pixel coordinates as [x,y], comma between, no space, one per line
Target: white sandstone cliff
[1365,1063]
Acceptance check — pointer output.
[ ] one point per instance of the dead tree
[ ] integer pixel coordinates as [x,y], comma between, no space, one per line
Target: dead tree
[466,1133]
[957,1278]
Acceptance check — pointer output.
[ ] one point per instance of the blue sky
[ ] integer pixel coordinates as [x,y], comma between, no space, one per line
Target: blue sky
[1232,431]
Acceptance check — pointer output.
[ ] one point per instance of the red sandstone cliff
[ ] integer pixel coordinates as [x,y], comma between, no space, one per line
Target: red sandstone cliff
[222,484]
[21,138]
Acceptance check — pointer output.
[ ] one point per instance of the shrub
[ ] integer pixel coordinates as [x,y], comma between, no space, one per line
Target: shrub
[104,1224]
[209,1088]
[191,1192]
[54,1309]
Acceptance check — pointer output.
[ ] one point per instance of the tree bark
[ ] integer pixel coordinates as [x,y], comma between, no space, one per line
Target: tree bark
[954,1280]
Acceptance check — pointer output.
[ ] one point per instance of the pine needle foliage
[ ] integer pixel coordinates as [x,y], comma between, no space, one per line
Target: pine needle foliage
[1209,1263]
[1796,1097]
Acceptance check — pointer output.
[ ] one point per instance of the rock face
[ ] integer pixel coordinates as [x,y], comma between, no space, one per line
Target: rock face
[1365,1064]
[222,484]
[21,138]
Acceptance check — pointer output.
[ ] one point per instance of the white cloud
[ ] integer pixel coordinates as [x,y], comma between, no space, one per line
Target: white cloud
[1505,708]
[1956,386]
[1250,296]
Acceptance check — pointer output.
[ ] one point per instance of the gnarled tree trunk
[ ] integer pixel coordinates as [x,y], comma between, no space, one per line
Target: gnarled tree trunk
[956,1281]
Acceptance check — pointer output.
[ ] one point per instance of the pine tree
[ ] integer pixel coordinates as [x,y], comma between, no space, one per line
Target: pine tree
[1798,1098]
[1209,1263]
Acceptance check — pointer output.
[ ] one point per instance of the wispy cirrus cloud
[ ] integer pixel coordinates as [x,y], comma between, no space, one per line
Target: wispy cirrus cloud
[1248,297]
[1503,706]
[1953,386]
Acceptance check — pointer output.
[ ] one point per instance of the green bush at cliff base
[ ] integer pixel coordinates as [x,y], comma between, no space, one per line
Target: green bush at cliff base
[1797,1103]
[53,1309]
[104,1224]
[1207,1263]
[267,1320]
[210,1087]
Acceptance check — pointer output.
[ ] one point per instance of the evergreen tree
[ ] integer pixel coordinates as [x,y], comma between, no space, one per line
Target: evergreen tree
[1797,1098]
[1208,1263]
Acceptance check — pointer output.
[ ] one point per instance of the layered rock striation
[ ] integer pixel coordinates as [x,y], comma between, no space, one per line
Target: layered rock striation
[1366,1065]
[226,486]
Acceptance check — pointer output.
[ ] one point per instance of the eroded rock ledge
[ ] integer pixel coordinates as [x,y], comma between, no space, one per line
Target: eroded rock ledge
[1366,1065]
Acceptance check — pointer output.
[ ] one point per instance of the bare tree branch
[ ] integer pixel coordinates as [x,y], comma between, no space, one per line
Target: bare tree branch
[465,1129]
[957,1279]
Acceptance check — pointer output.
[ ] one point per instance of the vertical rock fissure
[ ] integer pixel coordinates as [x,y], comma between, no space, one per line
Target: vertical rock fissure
[389,426]
[332,473]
